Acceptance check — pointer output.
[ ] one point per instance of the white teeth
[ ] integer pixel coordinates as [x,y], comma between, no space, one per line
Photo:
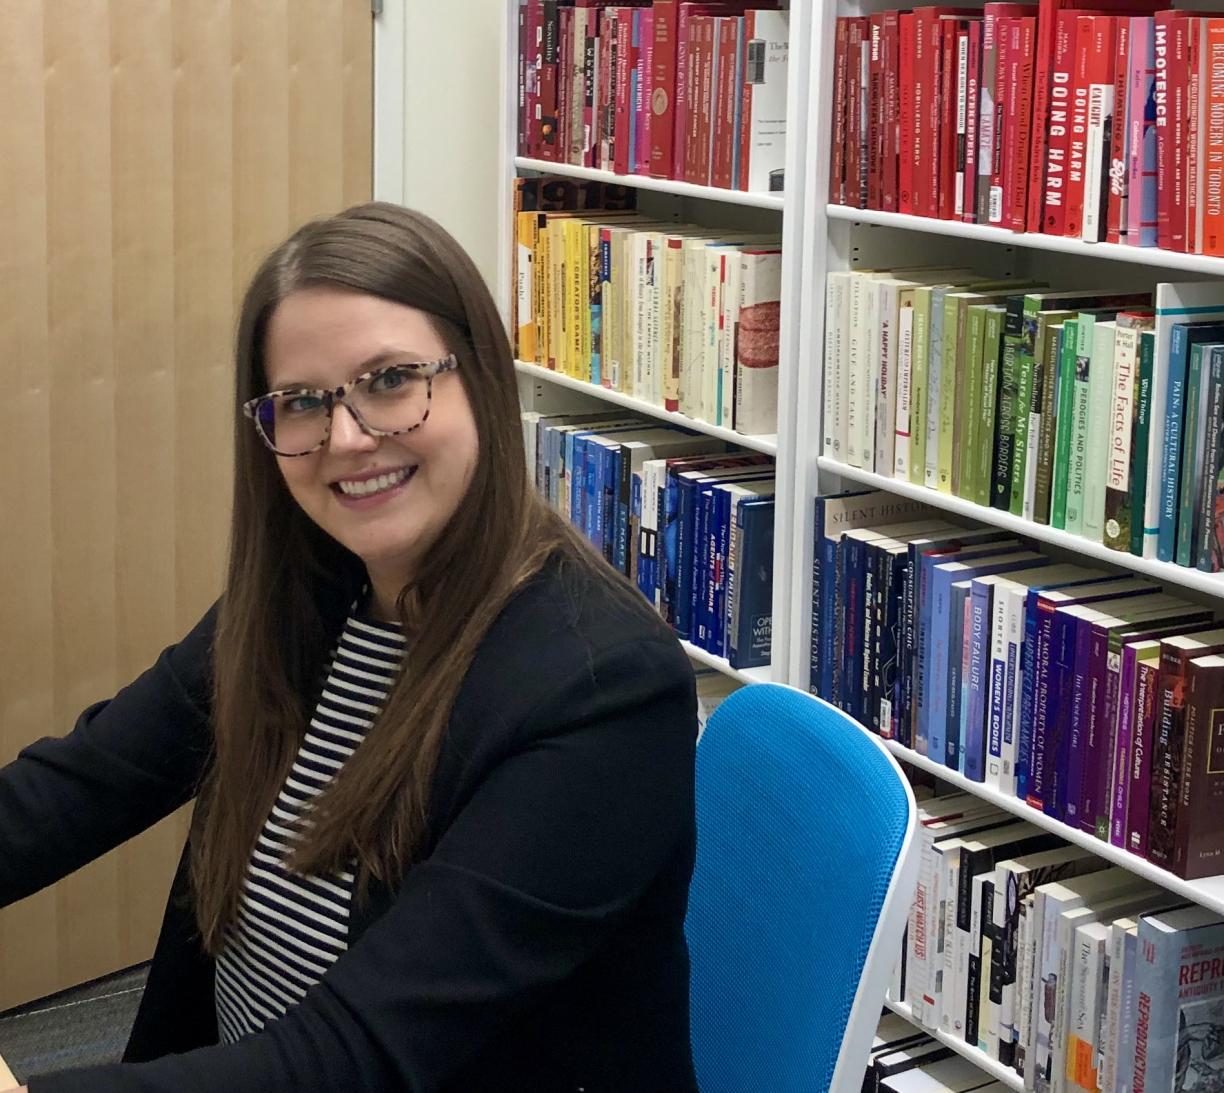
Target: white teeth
[368,486]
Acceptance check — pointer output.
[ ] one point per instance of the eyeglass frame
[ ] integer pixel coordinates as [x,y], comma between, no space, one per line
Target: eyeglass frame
[332,396]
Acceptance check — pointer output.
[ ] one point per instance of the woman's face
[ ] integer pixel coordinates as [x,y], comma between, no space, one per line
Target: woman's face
[324,337]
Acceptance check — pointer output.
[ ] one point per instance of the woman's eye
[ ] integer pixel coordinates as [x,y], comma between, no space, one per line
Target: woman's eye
[390,380]
[302,404]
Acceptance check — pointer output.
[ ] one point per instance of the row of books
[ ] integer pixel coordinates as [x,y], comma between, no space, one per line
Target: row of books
[1101,125]
[905,1060]
[1097,412]
[1081,977]
[689,522]
[688,91]
[1091,696]
[682,317]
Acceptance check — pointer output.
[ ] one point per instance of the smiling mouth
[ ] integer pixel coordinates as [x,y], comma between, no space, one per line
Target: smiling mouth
[368,487]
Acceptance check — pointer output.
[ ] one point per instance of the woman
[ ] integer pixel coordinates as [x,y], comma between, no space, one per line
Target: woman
[442,754]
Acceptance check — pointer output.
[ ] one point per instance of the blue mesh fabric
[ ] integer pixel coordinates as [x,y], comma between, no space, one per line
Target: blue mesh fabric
[799,823]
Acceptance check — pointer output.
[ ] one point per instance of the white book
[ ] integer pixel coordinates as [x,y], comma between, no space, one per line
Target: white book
[837,348]
[1175,303]
[766,49]
[1085,998]
[1025,993]
[756,338]
[729,266]
[856,370]
[1097,150]
[905,360]
[869,356]
[1112,1025]
[1122,401]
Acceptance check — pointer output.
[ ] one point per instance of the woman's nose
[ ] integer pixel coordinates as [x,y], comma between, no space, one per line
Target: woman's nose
[346,434]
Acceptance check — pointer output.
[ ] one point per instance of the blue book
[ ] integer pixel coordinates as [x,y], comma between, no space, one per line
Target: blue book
[973,727]
[987,559]
[1181,338]
[725,498]
[751,614]
[924,557]
[835,514]
[953,755]
[706,577]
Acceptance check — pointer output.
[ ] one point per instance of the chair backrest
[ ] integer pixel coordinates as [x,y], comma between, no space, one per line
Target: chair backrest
[802,887]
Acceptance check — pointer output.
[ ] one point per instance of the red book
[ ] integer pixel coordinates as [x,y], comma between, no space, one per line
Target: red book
[565,85]
[945,181]
[891,45]
[607,89]
[531,75]
[1007,73]
[549,76]
[1196,47]
[906,118]
[968,151]
[1172,86]
[856,165]
[622,105]
[1118,182]
[704,99]
[1024,98]
[645,120]
[875,107]
[1213,143]
[663,88]
[693,63]
[729,30]
[520,147]
[1058,140]
[1043,60]
[1077,139]
[837,148]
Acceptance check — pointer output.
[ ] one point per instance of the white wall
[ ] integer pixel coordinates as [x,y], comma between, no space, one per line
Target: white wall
[438,109]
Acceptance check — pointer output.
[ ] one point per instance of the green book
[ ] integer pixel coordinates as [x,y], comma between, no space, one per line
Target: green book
[1064,423]
[1139,449]
[1009,402]
[1197,375]
[1078,459]
[1041,428]
[987,435]
[1122,424]
[969,411]
[1024,417]
[918,381]
[1100,385]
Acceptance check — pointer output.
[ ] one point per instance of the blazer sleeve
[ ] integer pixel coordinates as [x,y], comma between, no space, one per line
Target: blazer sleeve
[551,851]
[129,762]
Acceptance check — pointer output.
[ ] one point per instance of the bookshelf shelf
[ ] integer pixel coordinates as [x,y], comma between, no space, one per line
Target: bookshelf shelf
[979,1058]
[1208,892]
[766,444]
[744,675]
[1211,584]
[751,198]
[1151,257]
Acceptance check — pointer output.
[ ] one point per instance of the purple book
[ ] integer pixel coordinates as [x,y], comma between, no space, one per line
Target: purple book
[1124,733]
[1147,691]
[1085,701]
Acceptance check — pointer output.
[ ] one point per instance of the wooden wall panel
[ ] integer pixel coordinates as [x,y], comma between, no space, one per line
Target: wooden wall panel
[153,151]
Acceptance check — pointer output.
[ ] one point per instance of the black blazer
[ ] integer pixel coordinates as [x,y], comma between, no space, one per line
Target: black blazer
[538,945]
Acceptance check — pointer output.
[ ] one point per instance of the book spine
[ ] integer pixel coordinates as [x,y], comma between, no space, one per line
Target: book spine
[978,639]
[986,440]
[890,150]
[837,149]
[875,107]
[1208,549]
[855,137]
[1143,173]
[1005,426]
[723,131]
[1116,215]
[1058,141]
[550,57]
[967,151]
[906,114]
[1197,373]
[1178,76]
[1115,802]
[901,443]
[1139,790]
[925,92]
[1063,423]
[1213,142]
[987,100]
[1077,143]
[1171,453]
[1197,841]
[1103,121]
[1141,437]
[1165,140]
[1024,151]
[1117,529]
[950,100]
[1046,372]
[1006,121]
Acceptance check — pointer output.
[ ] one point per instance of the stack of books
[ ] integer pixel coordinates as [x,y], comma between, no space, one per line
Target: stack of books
[691,523]
[1097,412]
[1095,698]
[689,91]
[1101,124]
[1075,975]
[682,317]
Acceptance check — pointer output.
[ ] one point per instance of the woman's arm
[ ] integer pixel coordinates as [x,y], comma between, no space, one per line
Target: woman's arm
[555,847]
[127,763]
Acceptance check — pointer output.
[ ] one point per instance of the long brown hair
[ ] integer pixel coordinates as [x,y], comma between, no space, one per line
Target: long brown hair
[275,625]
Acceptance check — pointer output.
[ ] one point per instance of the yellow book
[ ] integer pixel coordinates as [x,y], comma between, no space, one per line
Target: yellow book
[556,309]
[576,297]
[525,309]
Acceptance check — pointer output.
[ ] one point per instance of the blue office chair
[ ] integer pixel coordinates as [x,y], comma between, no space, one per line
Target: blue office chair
[803,883]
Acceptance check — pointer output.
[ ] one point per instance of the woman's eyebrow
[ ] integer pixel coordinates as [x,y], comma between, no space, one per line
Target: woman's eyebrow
[383,356]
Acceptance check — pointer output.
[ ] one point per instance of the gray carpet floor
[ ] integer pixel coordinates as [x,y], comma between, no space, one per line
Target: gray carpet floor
[84,1026]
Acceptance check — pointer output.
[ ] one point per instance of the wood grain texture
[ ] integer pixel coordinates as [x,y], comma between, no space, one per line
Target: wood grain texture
[154,151]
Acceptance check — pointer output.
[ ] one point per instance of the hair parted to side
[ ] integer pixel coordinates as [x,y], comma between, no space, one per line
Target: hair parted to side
[272,634]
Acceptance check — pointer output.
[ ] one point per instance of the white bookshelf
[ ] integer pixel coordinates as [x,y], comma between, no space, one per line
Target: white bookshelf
[840,238]
[543,389]
[993,1067]
[751,198]
[766,444]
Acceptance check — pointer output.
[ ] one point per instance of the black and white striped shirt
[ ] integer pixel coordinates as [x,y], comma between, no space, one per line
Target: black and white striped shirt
[291,929]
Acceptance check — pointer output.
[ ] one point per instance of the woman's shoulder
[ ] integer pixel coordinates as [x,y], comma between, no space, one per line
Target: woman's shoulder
[571,616]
